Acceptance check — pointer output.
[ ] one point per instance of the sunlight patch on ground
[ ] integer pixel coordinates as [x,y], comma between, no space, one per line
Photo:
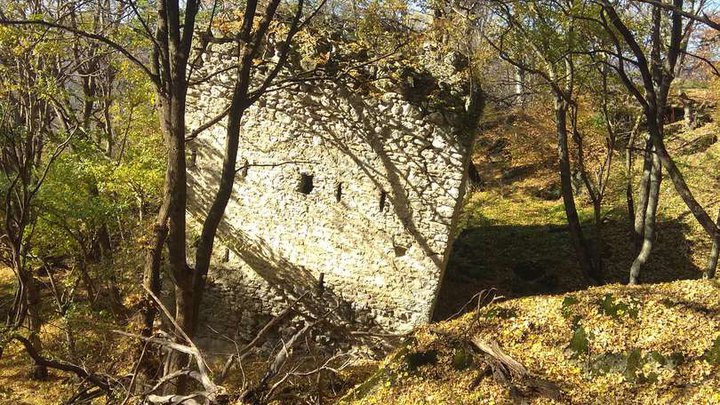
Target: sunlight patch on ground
[647,344]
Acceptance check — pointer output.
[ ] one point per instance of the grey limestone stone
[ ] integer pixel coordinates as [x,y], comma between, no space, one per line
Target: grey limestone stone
[359,191]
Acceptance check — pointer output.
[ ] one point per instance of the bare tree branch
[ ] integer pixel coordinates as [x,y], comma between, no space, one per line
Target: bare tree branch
[101,38]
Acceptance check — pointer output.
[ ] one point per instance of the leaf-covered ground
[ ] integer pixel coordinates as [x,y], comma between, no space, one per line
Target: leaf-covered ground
[514,235]
[657,343]
[651,344]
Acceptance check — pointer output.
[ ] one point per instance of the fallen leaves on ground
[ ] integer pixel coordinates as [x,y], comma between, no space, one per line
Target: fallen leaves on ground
[613,344]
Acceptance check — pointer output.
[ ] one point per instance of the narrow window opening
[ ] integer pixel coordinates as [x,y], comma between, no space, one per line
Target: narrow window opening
[338,192]
[383,200]
[321,284]
[306,183]
[243,170]
[193,159]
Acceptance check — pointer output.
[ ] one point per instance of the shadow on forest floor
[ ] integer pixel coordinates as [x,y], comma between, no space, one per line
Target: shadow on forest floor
[515,240]
[526,260]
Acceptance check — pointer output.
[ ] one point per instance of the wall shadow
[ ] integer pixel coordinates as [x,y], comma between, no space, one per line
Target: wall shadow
[238,304]
[518,261]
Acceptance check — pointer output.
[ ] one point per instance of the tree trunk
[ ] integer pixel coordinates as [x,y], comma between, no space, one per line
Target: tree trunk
[649,220]
[176,192]
[643,195]
[597,248]
[629,170]
[34,320]
[713,259]
[576,234]
[683,190]
[106,256]
[148,367]
[87,280]
[519,86]
[203,252]
[688,112]
[170,224]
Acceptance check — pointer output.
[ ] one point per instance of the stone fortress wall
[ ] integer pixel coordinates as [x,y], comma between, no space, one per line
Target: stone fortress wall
[358,193]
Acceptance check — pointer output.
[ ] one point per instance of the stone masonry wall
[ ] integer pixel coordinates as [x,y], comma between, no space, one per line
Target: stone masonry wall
[360,192]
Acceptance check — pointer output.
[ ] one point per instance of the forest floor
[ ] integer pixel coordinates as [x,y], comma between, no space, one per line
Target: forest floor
[97,348]
[656,342]
[648,344]
[513,232]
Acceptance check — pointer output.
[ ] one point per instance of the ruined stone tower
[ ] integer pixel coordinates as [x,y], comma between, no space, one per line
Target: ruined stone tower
[357,192]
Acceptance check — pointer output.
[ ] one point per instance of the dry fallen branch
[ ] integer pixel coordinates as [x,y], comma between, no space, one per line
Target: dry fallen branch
[261,392]
[97,380]
[513,374]
[190,399]
[212,391]
[270,326]
[257,393]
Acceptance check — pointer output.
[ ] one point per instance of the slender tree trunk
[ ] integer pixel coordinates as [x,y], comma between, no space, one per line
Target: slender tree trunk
[34,320]
[20,311]
[649,220]
[110,279]
[683,190]
[629,170]
[177,192]
[87,280]
[109,132]
[643,195]
[713,259]
[177,255]
[576,234]
[519,86]
[151,276]
[153,259]
[62,309]
[204,249]
[69,337]
[595,194]
[630,201]
[148,367]
[597,249]
[169,226]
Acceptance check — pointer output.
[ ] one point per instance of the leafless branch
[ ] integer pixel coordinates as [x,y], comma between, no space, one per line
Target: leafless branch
[90,35]
[97,380]
[270,326]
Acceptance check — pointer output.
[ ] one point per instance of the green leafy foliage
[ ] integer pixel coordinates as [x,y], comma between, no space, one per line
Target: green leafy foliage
[567,304]
[712,354]
[579,343]
[609,307]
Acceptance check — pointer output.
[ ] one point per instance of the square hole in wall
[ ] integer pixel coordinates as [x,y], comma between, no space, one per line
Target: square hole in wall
[338,192]
[192,161]
[383,200]
[306,183]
